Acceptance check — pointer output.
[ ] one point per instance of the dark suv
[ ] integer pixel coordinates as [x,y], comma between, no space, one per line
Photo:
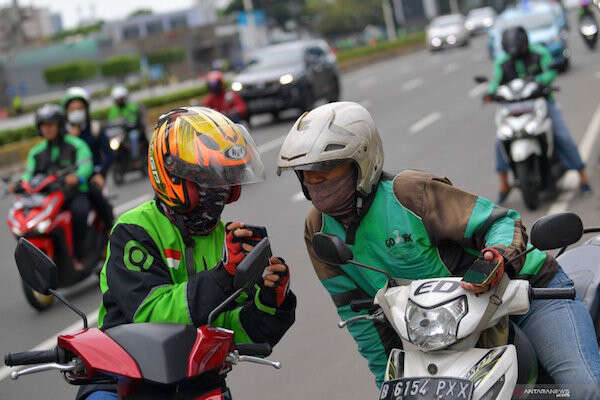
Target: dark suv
[288,75]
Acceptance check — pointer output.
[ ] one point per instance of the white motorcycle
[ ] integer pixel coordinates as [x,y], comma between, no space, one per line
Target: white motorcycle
[440,323]
[524,128]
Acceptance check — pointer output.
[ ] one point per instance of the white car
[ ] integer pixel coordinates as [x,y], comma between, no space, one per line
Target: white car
[480,19]
[447,31]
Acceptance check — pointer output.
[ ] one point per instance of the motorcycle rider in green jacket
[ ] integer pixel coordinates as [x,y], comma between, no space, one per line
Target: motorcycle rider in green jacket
[416,225]
[173,259]
[131,112]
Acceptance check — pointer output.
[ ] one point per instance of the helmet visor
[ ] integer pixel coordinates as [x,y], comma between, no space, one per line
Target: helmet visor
[239,164]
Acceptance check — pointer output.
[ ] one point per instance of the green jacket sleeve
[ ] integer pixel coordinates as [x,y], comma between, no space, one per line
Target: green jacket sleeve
[30,165]
[85,162]
[548,74]
[497,77]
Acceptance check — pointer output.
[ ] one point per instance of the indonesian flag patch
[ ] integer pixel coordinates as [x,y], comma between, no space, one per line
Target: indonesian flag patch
[173,258]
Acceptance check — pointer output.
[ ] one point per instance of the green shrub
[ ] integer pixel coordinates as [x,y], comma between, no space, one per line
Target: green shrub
[380,47]
[120,66]
[166,56]
[72,71]
[17,134]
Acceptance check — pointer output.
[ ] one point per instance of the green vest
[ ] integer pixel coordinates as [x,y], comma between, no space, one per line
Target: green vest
[130,112]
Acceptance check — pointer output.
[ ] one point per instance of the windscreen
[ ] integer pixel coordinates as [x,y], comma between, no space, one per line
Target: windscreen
[274,57]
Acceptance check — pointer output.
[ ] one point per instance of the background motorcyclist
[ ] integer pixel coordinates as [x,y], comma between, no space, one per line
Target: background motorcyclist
[130,111]
[221,99]
[416,225]
[57,152]
[172,259]
[525,61]
[76,103]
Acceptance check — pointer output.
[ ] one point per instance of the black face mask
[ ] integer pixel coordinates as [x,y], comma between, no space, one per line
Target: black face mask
[205,217]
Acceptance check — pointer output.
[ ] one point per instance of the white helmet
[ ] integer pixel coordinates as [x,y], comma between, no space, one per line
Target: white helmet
[119,92]
[332,134]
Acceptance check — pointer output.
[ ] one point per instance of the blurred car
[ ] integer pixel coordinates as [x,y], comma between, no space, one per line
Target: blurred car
[545,25]
[480,19]
[447,31]
[288,75]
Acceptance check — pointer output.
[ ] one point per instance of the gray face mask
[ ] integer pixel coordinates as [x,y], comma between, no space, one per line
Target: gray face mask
[77,117]
[335,197]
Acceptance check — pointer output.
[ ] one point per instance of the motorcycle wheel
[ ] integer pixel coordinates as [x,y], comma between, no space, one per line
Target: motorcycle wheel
[37,300]
[530,190]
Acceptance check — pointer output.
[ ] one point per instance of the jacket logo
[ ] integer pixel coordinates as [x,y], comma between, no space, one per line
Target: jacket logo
[173,258]
[397,238]
[136,257]
[236,152]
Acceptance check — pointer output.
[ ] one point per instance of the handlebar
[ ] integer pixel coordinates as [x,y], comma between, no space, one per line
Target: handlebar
[360,305]
[35,357]
[254,349]
[552,293]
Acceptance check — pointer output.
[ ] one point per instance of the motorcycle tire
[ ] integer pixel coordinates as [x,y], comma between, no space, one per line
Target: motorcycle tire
[118,176]
[530,189]
[37,300]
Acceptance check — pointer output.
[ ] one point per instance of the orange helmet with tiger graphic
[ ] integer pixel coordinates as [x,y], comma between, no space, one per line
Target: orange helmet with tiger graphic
[196,147]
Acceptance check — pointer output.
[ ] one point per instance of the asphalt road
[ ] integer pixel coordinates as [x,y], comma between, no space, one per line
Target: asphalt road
[430,117]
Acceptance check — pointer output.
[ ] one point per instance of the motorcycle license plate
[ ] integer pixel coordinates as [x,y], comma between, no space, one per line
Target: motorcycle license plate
[427,389]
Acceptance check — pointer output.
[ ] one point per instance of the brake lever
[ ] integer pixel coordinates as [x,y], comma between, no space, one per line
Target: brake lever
[377,316]
[43,367]
[235,358]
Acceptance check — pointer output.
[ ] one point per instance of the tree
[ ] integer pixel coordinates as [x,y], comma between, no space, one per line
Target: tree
[166,56]
[69,72]
[120,66]
[339,17]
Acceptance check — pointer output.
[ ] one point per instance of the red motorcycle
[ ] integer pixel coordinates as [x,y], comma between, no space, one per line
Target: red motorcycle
[145,360]
[38,214]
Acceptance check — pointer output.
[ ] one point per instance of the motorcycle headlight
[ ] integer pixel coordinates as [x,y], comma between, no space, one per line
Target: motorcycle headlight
[236,86]
[504,132]
[434,328]
[589,29]
[115,143]
[43,226]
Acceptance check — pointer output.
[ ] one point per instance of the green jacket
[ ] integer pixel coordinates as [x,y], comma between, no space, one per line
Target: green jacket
[418,226]
[145,279]
[537,65]
[131,112]
[69,151]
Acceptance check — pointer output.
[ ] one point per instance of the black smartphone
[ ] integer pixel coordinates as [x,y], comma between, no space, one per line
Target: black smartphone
[481,272]
[258,234]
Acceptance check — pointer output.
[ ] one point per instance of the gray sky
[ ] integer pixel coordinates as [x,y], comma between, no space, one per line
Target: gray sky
[104,9]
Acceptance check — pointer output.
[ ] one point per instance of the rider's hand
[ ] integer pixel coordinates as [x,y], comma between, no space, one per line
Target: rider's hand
[72,180]
[236,251]
[98,179]
[12,187]
[487,98]
[493,256]
[276,283]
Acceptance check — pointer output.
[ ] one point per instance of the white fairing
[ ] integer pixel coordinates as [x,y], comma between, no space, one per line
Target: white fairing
[522,149]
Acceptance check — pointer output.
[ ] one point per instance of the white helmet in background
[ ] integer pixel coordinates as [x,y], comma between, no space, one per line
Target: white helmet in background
[330,135]
[119,92]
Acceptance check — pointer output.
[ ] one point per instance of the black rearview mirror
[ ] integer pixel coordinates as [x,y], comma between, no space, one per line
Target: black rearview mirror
[556,231]
[481,79]
[253,265]
[331,249]
[36,268]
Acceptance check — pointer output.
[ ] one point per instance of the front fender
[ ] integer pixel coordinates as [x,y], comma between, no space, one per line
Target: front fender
[522,149]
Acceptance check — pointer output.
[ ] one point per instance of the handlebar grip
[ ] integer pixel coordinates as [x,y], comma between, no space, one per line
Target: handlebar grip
[553,293]
[360,305]
[254,349]
[31,357]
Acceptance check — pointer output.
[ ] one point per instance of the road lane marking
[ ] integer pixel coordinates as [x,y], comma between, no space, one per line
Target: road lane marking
[298,197]
[586,145]
[367,82]
[412,84]
[478,90]
[93,316]
[424,122]
[450,68]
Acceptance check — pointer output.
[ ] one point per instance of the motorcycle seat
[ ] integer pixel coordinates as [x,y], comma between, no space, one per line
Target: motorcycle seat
[526,358]
[582,265]
[160,350]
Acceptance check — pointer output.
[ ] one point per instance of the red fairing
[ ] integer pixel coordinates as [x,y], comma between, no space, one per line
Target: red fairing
[44,243]
[214,395]
[100,353]
[210,350]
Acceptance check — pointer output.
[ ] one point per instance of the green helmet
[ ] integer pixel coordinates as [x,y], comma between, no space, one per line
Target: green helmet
[75,92]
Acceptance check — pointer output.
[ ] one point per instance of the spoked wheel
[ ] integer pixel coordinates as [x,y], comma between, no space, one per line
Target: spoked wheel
[37,300]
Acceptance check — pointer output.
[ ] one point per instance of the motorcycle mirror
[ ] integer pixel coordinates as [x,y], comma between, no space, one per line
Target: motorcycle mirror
[36,268]
[331,249]
[556,230]
[253,265]
[481,79]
